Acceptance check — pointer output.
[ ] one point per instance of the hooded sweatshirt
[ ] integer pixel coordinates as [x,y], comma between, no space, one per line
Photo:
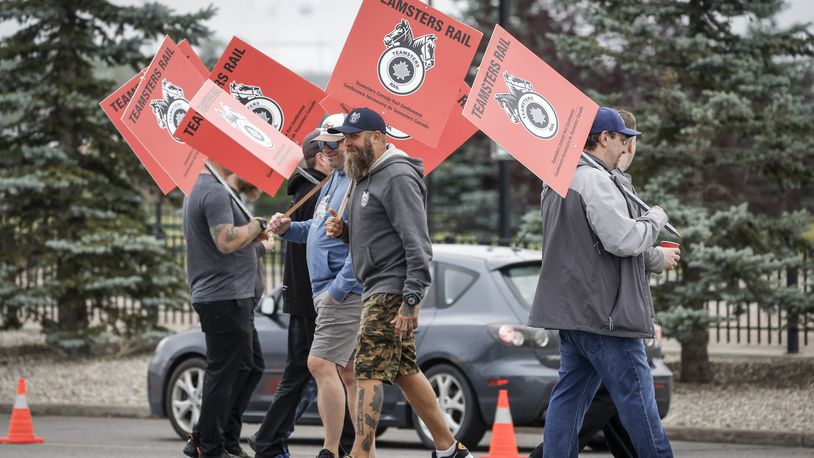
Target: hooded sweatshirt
[329,262]
[387,227]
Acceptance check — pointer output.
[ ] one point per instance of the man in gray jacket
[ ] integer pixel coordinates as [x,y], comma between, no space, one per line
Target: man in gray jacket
[390,251]
[593,289]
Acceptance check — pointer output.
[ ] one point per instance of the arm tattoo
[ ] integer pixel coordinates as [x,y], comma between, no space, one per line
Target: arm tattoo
[232,234]
[215,231]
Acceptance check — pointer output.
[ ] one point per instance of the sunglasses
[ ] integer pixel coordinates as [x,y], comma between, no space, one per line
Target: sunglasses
[330,145]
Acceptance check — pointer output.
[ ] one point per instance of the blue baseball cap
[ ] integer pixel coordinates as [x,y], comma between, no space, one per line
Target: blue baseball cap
[358,120]
[608,119]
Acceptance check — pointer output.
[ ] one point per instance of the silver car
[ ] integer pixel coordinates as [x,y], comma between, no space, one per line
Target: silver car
[472,342]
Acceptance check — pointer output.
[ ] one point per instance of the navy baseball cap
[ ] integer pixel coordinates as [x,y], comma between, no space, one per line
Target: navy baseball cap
[358,120]
[608,119]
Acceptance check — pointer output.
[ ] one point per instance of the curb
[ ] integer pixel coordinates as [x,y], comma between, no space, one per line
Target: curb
[79,410]
[726,436]
[676,433]
[740,436]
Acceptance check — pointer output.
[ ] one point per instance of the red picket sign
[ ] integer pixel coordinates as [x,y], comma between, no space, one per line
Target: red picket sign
[456,131]
[404,59]
[528,108]
[156,109]
[113,105]
[285,100]
[231,134]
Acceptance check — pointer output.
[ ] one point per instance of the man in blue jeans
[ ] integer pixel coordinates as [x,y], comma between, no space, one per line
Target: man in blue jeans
[594,290]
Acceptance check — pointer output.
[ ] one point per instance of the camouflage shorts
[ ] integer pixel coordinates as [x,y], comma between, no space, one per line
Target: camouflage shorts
[380,353]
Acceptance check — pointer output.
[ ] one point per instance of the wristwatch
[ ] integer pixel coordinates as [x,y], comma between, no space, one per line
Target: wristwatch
[412,299]
[262,221]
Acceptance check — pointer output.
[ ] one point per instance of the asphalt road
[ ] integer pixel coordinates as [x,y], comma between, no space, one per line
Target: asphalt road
[85,437]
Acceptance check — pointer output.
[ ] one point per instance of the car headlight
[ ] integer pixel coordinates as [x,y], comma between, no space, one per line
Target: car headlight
[518,336]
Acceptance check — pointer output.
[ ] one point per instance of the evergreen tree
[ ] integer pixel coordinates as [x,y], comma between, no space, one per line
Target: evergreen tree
[72,194]
[464,189]
[724,98]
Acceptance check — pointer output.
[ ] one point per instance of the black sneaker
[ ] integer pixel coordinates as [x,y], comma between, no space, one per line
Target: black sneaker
[253,445]
[460,452]
[191,448]
[238,452]
[325,453]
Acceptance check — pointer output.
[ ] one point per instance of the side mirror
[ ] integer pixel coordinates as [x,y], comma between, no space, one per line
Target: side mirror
[268,306]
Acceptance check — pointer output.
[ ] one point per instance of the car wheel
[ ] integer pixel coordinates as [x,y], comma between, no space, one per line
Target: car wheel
[183,395]
[458,404]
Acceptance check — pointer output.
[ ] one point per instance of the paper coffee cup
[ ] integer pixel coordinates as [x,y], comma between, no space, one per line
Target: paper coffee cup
[669,245]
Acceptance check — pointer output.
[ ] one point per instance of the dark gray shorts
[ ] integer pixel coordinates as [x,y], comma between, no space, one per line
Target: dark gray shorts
[337,326]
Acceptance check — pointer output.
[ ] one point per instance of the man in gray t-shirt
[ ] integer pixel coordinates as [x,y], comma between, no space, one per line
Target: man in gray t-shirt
[221,272]
[213,275]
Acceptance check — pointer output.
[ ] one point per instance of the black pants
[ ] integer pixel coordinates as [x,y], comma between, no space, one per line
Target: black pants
[271,438]
[249,375]
[251,371]
[227,327]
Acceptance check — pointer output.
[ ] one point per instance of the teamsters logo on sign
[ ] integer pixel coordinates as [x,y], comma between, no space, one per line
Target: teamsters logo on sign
[244,125]
[396,134]
[406,60]
[171,109]
[525,106]
[253,98]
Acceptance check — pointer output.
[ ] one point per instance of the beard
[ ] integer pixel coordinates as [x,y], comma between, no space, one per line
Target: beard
[358,161]
[250,191]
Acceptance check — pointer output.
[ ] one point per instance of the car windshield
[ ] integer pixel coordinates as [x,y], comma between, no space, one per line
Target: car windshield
[522,279]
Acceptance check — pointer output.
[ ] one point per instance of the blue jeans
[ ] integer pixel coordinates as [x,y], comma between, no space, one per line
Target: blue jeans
[586,360]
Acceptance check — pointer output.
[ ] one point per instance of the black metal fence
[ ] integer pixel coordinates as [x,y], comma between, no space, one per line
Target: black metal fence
[735,324]
[771,326]
[755,325]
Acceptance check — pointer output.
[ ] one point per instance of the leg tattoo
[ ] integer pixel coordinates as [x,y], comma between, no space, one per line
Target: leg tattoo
[360,402]
[372,421]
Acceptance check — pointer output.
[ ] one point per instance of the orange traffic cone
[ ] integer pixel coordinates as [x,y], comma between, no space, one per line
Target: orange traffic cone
[504,443]
[21,428]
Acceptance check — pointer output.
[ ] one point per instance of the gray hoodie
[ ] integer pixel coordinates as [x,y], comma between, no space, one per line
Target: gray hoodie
[387,227]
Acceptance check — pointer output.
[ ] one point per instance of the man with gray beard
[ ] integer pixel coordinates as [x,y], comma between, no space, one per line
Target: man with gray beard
[390,252]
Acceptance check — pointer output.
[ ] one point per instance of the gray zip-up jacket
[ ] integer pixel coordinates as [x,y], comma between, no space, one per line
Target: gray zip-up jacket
[387,227]
[653,257]
[592,277]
